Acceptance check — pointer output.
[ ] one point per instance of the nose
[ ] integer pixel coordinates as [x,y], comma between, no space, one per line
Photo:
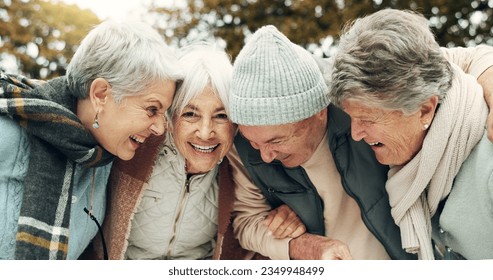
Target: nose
[357,130]
[205,128]
[159,126]
[267,154]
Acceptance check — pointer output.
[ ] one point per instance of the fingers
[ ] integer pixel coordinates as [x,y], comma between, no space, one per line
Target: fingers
[283,222]
[270,217]
[283,225]
[344,254]
[299,230]
[291,227]
[336,250]
[276,220]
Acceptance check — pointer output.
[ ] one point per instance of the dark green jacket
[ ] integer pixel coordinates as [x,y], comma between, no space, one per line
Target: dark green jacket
[363,178]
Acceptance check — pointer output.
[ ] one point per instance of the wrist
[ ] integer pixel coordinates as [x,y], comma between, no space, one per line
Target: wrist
[303,247]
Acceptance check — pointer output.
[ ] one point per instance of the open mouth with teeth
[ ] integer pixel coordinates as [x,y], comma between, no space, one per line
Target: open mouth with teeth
[136,139]
[204,149]
[375,144]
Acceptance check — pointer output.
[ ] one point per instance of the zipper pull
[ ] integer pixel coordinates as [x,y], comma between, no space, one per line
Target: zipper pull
[187,185]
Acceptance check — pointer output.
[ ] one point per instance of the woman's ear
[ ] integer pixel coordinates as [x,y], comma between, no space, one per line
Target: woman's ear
[99,92]
[428,109]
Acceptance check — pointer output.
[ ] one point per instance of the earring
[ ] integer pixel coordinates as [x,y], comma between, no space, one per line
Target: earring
[426,126]
[95,124]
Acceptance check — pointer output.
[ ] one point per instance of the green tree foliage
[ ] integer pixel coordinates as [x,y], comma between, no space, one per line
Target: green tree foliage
[315,24]
[42,35]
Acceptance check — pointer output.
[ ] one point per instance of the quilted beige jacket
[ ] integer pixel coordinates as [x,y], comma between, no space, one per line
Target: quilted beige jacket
[125,190]
[177,216]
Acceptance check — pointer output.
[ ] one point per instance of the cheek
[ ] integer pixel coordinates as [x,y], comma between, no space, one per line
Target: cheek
[180,130]
[406,141]
[288,149]
[394,137]
[180,141]
[227,137]
[130,123]
[114,141]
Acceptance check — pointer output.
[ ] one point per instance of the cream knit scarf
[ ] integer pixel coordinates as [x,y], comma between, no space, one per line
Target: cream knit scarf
[416,188]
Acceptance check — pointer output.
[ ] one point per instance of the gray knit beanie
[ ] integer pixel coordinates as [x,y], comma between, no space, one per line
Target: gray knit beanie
[275,82]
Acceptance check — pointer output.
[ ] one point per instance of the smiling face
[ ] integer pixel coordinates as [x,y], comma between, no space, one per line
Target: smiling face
[394,137]
[125,126]
[203,133]
[292,144]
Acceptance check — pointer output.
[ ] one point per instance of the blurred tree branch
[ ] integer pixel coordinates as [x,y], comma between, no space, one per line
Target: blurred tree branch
[314,24]
[42,35]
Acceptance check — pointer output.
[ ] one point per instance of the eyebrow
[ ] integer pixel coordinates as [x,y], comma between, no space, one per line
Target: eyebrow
[195,108]
[268,141]
[152,100]
[189,106]
[275,138]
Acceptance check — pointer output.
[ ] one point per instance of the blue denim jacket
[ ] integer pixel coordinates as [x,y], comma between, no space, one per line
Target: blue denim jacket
[14,154]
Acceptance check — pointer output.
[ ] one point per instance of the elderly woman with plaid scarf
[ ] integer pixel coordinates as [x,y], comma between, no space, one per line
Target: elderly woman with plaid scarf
[59,137]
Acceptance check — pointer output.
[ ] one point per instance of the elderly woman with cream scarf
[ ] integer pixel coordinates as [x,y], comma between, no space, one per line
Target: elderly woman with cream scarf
[425,118]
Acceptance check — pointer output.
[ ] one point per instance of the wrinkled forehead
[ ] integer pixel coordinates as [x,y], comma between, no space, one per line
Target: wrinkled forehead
[358,109]
[268,133]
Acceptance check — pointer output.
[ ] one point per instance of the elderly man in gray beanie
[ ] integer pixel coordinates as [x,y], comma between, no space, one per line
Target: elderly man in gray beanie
[295,148]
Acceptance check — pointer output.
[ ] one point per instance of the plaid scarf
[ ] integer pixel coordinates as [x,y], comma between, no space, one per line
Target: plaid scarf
[58,142]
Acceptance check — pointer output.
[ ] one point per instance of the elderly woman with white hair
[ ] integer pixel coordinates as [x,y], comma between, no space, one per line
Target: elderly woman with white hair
[167,203]
[425,118]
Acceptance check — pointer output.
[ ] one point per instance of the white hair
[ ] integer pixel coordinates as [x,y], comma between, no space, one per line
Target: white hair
[204,65]
[129,55]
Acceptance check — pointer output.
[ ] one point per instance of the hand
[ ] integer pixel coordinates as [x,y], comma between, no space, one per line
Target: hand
[316,247]
[283,222]
[486,81]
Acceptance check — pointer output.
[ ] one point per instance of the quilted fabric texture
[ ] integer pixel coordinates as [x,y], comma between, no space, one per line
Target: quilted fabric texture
[174,221]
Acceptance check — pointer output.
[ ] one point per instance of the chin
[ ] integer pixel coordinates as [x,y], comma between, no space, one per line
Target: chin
[391,162]
[207,168]
[384,161]
[201,168]
[126,157]
[290,165]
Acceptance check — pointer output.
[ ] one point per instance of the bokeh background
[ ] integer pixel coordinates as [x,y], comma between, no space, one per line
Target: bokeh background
[38,37]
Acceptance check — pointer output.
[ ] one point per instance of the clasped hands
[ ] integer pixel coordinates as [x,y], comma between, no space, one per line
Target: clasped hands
[284,223]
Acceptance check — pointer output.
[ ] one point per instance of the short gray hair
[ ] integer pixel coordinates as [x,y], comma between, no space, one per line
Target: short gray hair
[391,60]
[130,55]
[204,65]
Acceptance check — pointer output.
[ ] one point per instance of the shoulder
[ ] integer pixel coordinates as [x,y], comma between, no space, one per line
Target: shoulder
[482,154]
[479,164]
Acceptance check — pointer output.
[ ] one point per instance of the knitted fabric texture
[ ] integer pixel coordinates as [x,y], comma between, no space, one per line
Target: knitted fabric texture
[416,189]
[275,82]
[58,141]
